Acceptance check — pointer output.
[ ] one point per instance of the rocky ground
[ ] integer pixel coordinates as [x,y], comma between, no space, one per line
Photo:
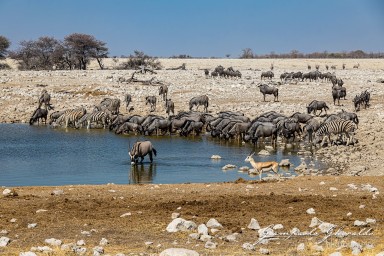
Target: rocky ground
[90,213]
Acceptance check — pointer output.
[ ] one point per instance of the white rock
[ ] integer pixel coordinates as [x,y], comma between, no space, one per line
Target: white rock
[359,223]
[266,233]
[370,221]
[80,242]
[311,211]
[57,192]
[210,245]
[254,224]
[103,242]
[356,248]
[264,251]
[380,254]
[301,247]
[53,241]
[178,252]
[322,183]
[125,214]
[244,169]
[278,226]
[13,220]
[216,157]
[98,250]
[213,223]
[263,152]
[202,229]
[4,241]
[27,254]
[249,247]
[3,232]
[294,231]
[335,254]
[229,166]
[285,163]
[318,248]
[41,210]
[180,224]
[315,222]
[349,214]
[44,249]
[361,206]
[32,225]
[231,237]
[326,227]
[205,238]
[333,189]
[194,236]
[7,192]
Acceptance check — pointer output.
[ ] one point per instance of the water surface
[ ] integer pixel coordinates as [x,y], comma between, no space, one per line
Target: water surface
[39,155]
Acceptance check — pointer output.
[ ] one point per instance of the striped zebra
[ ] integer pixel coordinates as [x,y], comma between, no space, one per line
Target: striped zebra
[71,116]
[95,117]
[337,127]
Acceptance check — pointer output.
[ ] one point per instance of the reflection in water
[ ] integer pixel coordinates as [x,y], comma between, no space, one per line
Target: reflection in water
[141,173]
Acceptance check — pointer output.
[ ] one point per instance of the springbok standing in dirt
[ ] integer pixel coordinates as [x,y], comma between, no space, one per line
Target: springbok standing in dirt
[262,166]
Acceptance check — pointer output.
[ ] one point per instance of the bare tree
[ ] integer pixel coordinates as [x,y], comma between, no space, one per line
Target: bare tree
[247,53]
[83,47]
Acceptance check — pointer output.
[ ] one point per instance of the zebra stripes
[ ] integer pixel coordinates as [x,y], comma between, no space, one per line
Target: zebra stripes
[337,127]
[97,117]
[71,116]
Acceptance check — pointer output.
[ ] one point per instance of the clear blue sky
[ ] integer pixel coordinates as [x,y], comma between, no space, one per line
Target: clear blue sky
[202,28]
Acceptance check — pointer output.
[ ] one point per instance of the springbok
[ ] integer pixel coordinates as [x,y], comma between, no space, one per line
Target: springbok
[262,166]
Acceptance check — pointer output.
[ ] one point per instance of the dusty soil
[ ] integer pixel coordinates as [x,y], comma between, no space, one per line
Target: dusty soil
[98,208]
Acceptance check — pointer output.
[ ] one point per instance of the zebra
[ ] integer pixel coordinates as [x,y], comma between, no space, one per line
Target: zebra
[94,117]
[337,127]
[71,116]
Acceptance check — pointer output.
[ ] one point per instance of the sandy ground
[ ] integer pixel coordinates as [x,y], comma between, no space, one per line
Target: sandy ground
[98,208]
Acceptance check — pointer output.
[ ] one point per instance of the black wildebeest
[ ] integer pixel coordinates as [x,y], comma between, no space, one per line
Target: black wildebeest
[39,114]
[266,89]
[317,105]
[263,131]
[267,74]
[151,100]
[338,92]
[163,90]
[199,100]
[141,149]
[129,127]
[169,107]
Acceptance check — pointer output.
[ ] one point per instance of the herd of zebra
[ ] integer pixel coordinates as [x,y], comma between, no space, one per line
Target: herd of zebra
[225,125]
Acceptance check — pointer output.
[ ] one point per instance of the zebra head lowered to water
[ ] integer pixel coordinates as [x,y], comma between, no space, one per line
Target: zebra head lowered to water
[338,127]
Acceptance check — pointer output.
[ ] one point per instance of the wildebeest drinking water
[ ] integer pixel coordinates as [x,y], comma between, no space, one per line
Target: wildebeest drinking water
[199,100]
[141,149]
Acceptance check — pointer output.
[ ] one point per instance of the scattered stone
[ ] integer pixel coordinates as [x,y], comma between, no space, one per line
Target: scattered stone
[98,250]
[202,229]
[285,163]
[175,215]
[264,251]
[53,242]
[4,241]
[148,244]
[266,233]
[264,152]
[359,223]
[333,189]
[3,232]
[41,210]
[278,226]
[9,192]
[356,248]
[231,237]
[335,254]
[254,224]
[352,186]
[311,211]
[229,166]
[27,254]
[301,247]
[13,220]
[215,157]
[369,187]
[180,224]
[322,183]
[294,231]
[125,215]
[249,247]
[301,168]
[86,233]
[213,223]
[380,254]
[210,245]
[103,242]
[178,252]
[318,248]
[32,225]
[195,236]
[362,206]
[205,238]
[57,192]
[80,242]
[244,169]
[325,227]
[44,249]
[315,222]
[214,231]
[370,221]
[349,214]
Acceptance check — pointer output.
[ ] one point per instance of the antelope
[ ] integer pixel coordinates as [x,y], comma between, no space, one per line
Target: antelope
[260,166]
